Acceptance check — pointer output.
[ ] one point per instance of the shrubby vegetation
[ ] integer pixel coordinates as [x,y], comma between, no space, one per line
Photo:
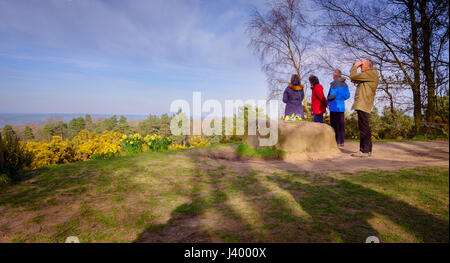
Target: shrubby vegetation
[15,156]
[84,146]
[270,153]
[88,145]
[84,139]
[385,126]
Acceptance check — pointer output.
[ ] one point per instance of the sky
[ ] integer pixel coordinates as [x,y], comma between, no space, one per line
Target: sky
[124,57]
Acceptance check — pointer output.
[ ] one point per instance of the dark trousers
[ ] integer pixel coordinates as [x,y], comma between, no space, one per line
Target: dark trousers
[318,118]
[337,121]
[365,134]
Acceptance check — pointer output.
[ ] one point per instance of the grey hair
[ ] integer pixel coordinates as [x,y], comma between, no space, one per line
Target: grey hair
[337,73]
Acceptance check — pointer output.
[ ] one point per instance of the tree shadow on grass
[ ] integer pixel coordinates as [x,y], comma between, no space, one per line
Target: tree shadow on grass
[244,204]
[256,213]
[51,185]
[188,223]
[183,226]
[345,208]
[38,186]
[290,206]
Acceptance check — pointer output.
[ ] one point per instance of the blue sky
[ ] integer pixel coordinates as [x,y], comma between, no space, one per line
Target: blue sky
[124,57]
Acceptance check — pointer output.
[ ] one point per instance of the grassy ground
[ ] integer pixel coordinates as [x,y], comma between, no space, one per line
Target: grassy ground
[184,197]
[269,153]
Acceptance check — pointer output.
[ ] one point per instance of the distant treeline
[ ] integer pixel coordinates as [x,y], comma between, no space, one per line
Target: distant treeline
[67,130]
[22,119]
[383,123]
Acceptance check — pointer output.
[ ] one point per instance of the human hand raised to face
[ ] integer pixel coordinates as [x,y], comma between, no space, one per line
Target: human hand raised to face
[358,64]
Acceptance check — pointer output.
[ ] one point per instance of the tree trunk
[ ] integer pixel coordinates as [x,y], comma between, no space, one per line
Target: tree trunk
[416,83]
[427,68]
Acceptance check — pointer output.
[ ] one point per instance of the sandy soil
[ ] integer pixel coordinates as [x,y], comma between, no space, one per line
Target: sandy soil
[387,155]
[393,155]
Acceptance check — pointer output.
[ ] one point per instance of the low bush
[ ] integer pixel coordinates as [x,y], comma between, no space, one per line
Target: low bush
[44,153]
[156,142]
[382,126]
[132,143]
[15,157]
[270,153]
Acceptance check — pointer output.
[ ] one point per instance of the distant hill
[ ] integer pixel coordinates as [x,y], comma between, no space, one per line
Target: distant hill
[40,118]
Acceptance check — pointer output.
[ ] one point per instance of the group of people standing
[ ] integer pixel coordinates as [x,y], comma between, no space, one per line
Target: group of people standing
[366,80]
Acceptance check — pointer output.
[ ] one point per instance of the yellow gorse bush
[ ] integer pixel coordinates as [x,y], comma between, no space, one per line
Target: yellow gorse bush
[48,153]
[84,146]
[87,145]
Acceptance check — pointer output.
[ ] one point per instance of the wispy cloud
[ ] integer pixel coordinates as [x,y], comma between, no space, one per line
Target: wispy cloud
[145,46]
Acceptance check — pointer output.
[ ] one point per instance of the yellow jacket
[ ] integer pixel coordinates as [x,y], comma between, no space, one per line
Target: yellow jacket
[367,82]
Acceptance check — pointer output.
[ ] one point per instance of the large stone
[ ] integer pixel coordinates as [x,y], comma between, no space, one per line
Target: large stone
[301,137]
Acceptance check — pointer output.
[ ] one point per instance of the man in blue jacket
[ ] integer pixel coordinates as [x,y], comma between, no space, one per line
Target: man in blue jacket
[337,95]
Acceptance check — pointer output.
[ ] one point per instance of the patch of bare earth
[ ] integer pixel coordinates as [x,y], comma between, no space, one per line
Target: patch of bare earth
[389,155]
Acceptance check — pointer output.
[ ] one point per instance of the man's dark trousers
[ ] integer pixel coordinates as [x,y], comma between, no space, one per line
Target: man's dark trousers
[365,138]
[337,120]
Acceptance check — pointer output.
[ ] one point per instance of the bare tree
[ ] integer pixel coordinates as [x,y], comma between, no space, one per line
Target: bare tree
[392,85]
[378,30]
[434,41]
[389,83]
[407,36]
[278,38]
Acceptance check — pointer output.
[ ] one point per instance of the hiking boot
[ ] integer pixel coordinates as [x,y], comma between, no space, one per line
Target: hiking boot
[361,154]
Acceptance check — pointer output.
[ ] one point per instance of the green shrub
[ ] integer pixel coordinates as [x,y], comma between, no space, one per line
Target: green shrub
[214,139]
[428,136]
[157,143]
[132,143]
[15,156]
[4,179]
[270,153]
[244,150]
[382,126]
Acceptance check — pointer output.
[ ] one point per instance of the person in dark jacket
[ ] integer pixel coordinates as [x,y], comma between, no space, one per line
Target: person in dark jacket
[337,95]
[293,96]
[318,101]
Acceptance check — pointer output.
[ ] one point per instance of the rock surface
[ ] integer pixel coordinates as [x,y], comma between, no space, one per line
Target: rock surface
[301,137]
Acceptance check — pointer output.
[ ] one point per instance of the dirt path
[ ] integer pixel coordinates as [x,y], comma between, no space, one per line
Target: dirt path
[393,155]
[388,155]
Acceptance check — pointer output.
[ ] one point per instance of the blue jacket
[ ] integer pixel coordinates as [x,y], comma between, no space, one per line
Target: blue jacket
[339,89]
